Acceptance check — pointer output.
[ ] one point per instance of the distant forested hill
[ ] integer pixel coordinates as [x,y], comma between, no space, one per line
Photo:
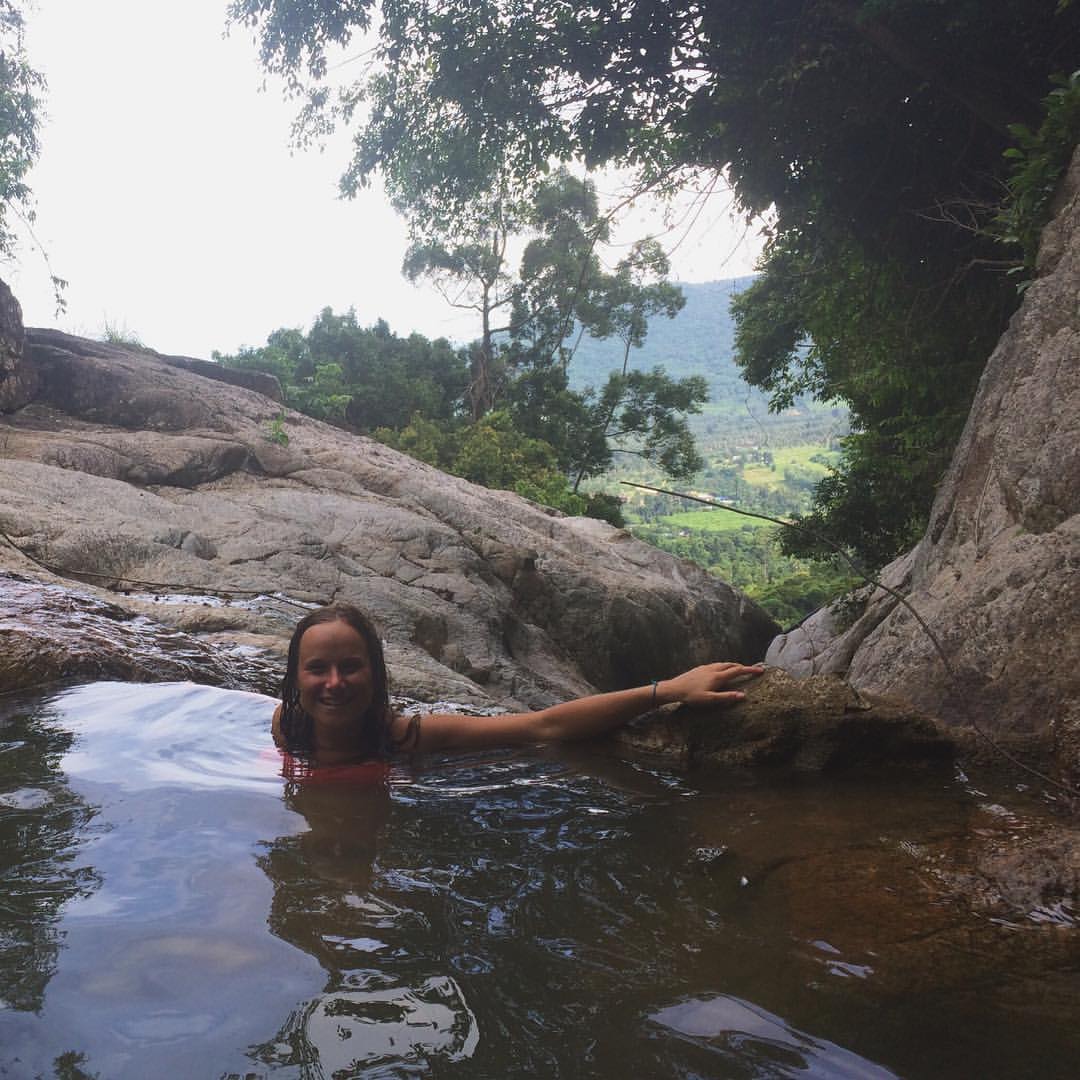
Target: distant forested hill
[755,459]
[700,341]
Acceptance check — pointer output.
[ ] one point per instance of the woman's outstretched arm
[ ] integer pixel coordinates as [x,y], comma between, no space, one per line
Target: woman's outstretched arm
[582,718]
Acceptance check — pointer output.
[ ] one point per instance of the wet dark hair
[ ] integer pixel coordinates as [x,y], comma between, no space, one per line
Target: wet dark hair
[297,727]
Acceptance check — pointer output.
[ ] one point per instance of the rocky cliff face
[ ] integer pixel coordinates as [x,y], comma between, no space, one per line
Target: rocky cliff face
[136,471]
[17,382]
[997,576]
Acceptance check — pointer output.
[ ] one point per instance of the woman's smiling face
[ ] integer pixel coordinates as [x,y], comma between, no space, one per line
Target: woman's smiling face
[334,678]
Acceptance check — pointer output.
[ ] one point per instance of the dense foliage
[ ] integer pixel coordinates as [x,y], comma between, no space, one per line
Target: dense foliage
[1037,161]
[494,452]
[364,377]
[882,285]
[876,128]
[21,88]
[751,558]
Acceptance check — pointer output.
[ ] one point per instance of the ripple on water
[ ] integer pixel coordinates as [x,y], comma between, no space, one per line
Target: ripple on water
[1059,914]
[26,799]
[761,1042]
[375,1023]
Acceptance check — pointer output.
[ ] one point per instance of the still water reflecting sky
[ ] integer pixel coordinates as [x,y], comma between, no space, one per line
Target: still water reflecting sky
[171,907]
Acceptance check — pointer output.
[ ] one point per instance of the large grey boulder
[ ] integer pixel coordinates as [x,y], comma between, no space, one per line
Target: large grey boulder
[997,576]
[819,724]
[130,471]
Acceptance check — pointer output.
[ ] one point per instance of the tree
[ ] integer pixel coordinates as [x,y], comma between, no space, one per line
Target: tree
[875,128]
[532,319]
[472,274]
[364,377]
[471,94]
[20,111]
[835,325]
[647,407]
[561,289]
[527,315]
[21,91]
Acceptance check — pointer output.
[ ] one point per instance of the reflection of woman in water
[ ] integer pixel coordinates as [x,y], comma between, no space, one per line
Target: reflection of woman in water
[335,707]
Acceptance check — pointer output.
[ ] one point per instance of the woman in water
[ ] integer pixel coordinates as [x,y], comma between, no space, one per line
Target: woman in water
[335,706]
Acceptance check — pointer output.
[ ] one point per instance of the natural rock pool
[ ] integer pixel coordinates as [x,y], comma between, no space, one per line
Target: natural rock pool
[170,906]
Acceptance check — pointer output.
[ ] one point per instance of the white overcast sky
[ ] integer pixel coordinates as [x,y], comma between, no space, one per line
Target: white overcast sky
[168,196]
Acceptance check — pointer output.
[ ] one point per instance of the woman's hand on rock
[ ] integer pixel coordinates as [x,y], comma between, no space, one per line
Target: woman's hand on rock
[706,685]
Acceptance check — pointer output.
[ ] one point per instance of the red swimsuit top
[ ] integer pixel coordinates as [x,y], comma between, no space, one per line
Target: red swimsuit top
[299,770]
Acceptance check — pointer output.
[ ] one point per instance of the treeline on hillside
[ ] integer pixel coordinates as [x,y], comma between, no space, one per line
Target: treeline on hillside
[752,559]
[411,393]
[361,377]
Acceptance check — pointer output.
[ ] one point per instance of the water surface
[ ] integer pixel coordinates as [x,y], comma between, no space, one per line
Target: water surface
[172,907]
